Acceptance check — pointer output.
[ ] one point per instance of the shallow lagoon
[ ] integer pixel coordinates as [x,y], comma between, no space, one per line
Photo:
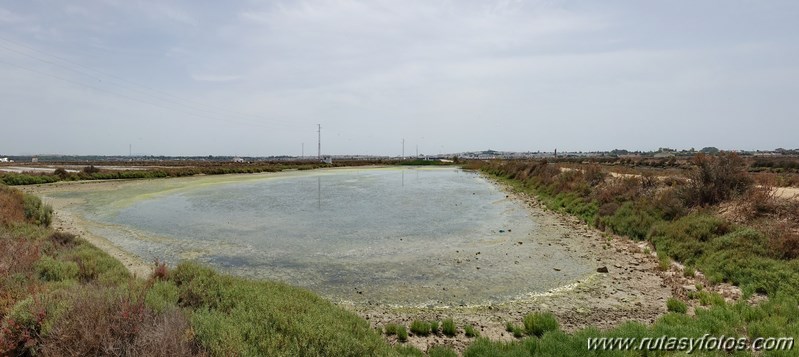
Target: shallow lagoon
[405,236]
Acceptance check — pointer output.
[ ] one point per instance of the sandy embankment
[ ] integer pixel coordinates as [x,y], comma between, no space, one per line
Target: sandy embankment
[66,221]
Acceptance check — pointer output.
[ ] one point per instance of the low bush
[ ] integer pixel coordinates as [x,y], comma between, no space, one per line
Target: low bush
[50,269]
[715,179]
[631,221]
[37,212]
[420,328]
[434,327]
[537,324]
[448,328]
[470,331]
[402,333]
[675,305]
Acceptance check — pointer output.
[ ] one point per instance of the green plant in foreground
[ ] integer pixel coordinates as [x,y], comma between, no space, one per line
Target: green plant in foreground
[434,327]
[402,333]
[536,324]
[448,328]
[675,305]
[391,329]
[420,328]
[689,272]
[470,331]
[707,298]
[441,351]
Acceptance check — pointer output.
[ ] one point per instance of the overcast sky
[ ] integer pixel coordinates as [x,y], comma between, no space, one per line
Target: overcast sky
[255,77]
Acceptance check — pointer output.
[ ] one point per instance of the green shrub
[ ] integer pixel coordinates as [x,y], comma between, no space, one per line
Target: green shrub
[631,220]
[685,239]
[391,329]
[448,328]
[162,296]
[235,316]
[402,333]
[36,212]
[675,305]
[420,328]
[434,327]
[709,298]
[50,269]
[469,331]
[536,324]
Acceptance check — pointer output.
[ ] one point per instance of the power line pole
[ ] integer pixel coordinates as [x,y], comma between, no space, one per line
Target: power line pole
[319,141]
[130,150]
[417,151]
[403,148]
[303,151]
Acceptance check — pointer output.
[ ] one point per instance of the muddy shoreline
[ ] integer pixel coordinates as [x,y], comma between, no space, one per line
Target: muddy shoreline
[633,289]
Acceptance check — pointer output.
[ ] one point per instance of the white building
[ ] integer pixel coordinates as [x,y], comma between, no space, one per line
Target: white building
[3,159]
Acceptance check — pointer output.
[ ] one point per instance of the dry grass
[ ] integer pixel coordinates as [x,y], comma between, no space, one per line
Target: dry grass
[11,206]
[110,322]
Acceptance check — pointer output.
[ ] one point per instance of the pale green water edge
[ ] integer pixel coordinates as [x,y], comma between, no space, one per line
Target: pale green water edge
[404,236]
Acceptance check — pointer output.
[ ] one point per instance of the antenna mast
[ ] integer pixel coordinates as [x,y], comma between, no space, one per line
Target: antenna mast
[319,141]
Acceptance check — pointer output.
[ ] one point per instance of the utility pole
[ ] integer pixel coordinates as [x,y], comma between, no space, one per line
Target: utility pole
[130,150]
[303,151]
[403,148]
[319,141]
[417,151]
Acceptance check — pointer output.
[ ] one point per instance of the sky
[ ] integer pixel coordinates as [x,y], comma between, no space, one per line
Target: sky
[254,78]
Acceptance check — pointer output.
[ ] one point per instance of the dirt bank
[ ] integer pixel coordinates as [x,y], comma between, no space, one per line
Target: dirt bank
[64,220]
[633,289]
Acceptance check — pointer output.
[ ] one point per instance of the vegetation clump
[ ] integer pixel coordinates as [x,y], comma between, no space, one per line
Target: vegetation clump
[675,305]
[448,328]
[537,324]
[420,328]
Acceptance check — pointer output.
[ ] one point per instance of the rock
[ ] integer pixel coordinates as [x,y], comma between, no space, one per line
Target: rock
[555,269]
[602,270]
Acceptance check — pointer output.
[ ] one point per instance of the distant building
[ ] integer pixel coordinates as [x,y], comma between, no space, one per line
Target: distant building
[238,159]
[3,159]
[35,159]
[327,159]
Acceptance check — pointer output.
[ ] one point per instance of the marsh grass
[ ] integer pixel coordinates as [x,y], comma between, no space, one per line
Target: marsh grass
[675,305]
[441,351]
[470,331]
[448,328]
[434,325]
[421,328]
[536,324]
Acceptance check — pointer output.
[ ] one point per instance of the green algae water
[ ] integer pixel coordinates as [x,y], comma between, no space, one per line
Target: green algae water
[403,236]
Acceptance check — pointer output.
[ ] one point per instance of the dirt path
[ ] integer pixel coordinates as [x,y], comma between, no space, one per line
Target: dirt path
[787,192]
